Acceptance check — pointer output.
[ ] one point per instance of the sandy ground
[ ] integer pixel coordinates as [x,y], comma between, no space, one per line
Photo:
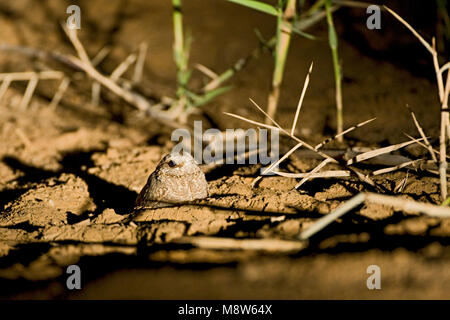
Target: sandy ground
[69,177]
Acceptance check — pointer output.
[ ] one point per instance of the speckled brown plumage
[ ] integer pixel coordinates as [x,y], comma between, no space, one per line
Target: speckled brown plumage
[176,179]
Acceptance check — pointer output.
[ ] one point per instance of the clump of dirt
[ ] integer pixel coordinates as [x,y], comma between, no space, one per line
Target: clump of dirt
[49,203]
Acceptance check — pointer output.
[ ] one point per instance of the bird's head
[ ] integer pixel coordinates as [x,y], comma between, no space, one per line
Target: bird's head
[178,164]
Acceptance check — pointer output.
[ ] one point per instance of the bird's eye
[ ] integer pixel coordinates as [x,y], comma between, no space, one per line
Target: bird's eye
[172,163]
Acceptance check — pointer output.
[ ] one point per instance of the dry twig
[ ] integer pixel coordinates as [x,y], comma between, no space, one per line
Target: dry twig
[424,137]
[216,243]
[406,205]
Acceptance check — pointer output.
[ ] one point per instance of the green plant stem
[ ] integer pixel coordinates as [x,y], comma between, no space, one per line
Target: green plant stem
[238,66]
[302,24]
[179,53]
[308,19]
[333,41]
[284,31]
[446,202]
[315,6]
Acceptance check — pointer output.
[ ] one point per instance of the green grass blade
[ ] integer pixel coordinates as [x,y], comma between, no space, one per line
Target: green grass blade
[446,202]
[333,42]
[303,34]
[199,100]
[256,5]
[304,22]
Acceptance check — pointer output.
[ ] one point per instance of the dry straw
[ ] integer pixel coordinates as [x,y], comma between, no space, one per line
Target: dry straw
[443,97]
[326,158]
[424,137]
[409,206]
[218,243]
[32,77]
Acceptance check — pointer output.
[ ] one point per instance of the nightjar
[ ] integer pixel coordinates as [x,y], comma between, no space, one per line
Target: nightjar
[176,179]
